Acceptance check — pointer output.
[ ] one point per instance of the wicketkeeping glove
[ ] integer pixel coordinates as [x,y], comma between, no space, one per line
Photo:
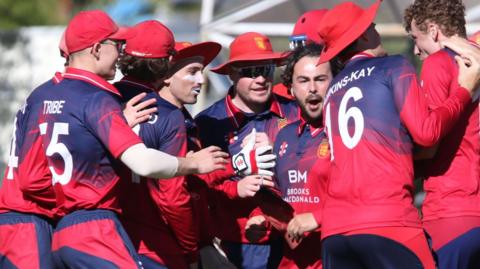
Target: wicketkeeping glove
[251,161]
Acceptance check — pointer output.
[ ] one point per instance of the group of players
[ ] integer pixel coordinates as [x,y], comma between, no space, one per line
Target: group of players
[314,173]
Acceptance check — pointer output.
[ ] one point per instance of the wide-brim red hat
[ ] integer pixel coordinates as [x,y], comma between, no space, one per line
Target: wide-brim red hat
[342,25]
[307,25]
[208,50]
[250,47]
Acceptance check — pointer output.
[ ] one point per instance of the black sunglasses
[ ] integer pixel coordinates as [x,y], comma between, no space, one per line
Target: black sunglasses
[297,41]
[265,71]
[117,44]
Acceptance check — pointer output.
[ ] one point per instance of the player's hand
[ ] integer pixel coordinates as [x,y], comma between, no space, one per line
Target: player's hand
[249,185]
[468,61]
[461,46]
[468,72]
[251,160]
[193,265]
[300,224]
[208,160]
[256,228]
[136,112]
[261,140]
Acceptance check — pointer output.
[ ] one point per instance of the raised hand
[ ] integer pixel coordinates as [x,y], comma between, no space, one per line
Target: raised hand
[254,160]
[135,112]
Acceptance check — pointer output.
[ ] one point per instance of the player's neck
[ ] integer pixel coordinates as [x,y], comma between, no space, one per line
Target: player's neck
[166,94]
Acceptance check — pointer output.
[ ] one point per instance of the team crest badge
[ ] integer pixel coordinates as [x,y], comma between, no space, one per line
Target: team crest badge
[323,149]
[260,41]
[283,149]
[282,123]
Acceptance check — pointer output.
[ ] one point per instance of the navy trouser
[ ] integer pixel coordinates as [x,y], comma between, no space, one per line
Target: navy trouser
[25,241]
[366,251]
[253,256]
[93,239]
[462,252]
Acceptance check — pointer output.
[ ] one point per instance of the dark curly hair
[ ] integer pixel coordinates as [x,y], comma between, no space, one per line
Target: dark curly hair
[144,69]
[449,15]
[310,50]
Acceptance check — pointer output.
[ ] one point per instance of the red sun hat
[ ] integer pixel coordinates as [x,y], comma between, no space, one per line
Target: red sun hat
[307,25]
[152,40]
[90,27]
[250,47]
[208,50]
[342,25]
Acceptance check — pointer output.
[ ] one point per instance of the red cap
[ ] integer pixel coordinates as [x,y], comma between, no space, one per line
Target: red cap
[475,37]
[208,50]
[63,47]
[342,25]
[307,25]
[250,47]
[90,27]
[152,40]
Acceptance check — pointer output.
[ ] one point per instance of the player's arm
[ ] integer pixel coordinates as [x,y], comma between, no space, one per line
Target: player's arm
[436,81]
[426,126]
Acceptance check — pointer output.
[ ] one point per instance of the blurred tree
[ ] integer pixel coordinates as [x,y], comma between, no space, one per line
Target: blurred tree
[18,13]
[14,13]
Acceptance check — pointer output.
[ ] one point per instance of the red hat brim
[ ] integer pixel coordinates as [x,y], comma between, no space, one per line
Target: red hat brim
[123,33]
[277,57]
[361,25]
[208,50]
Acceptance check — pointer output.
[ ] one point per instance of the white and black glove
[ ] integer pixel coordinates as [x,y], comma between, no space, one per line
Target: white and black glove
[251,161]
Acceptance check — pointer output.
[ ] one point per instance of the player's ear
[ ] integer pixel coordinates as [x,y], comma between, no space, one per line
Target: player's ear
[95,51]
[433,31]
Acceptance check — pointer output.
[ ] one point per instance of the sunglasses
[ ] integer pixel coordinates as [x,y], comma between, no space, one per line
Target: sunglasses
[297,41]
[265,71]
[117,44]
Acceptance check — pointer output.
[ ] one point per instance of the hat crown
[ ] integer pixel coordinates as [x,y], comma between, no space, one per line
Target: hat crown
[152,40]
[307,24]
[87,28]
[339,21]
[250,43]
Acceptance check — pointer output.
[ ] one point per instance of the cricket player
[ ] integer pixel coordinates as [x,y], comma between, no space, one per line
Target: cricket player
[302,169]
[451,212]
[84,134]
[249,105]
[374,111]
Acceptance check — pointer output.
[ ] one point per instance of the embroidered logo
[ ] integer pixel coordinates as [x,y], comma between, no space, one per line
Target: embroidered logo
[282,122]
[323,149]
[260,41]
[283,149]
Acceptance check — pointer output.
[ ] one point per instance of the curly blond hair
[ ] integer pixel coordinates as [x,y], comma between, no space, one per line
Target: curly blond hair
[449,15]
